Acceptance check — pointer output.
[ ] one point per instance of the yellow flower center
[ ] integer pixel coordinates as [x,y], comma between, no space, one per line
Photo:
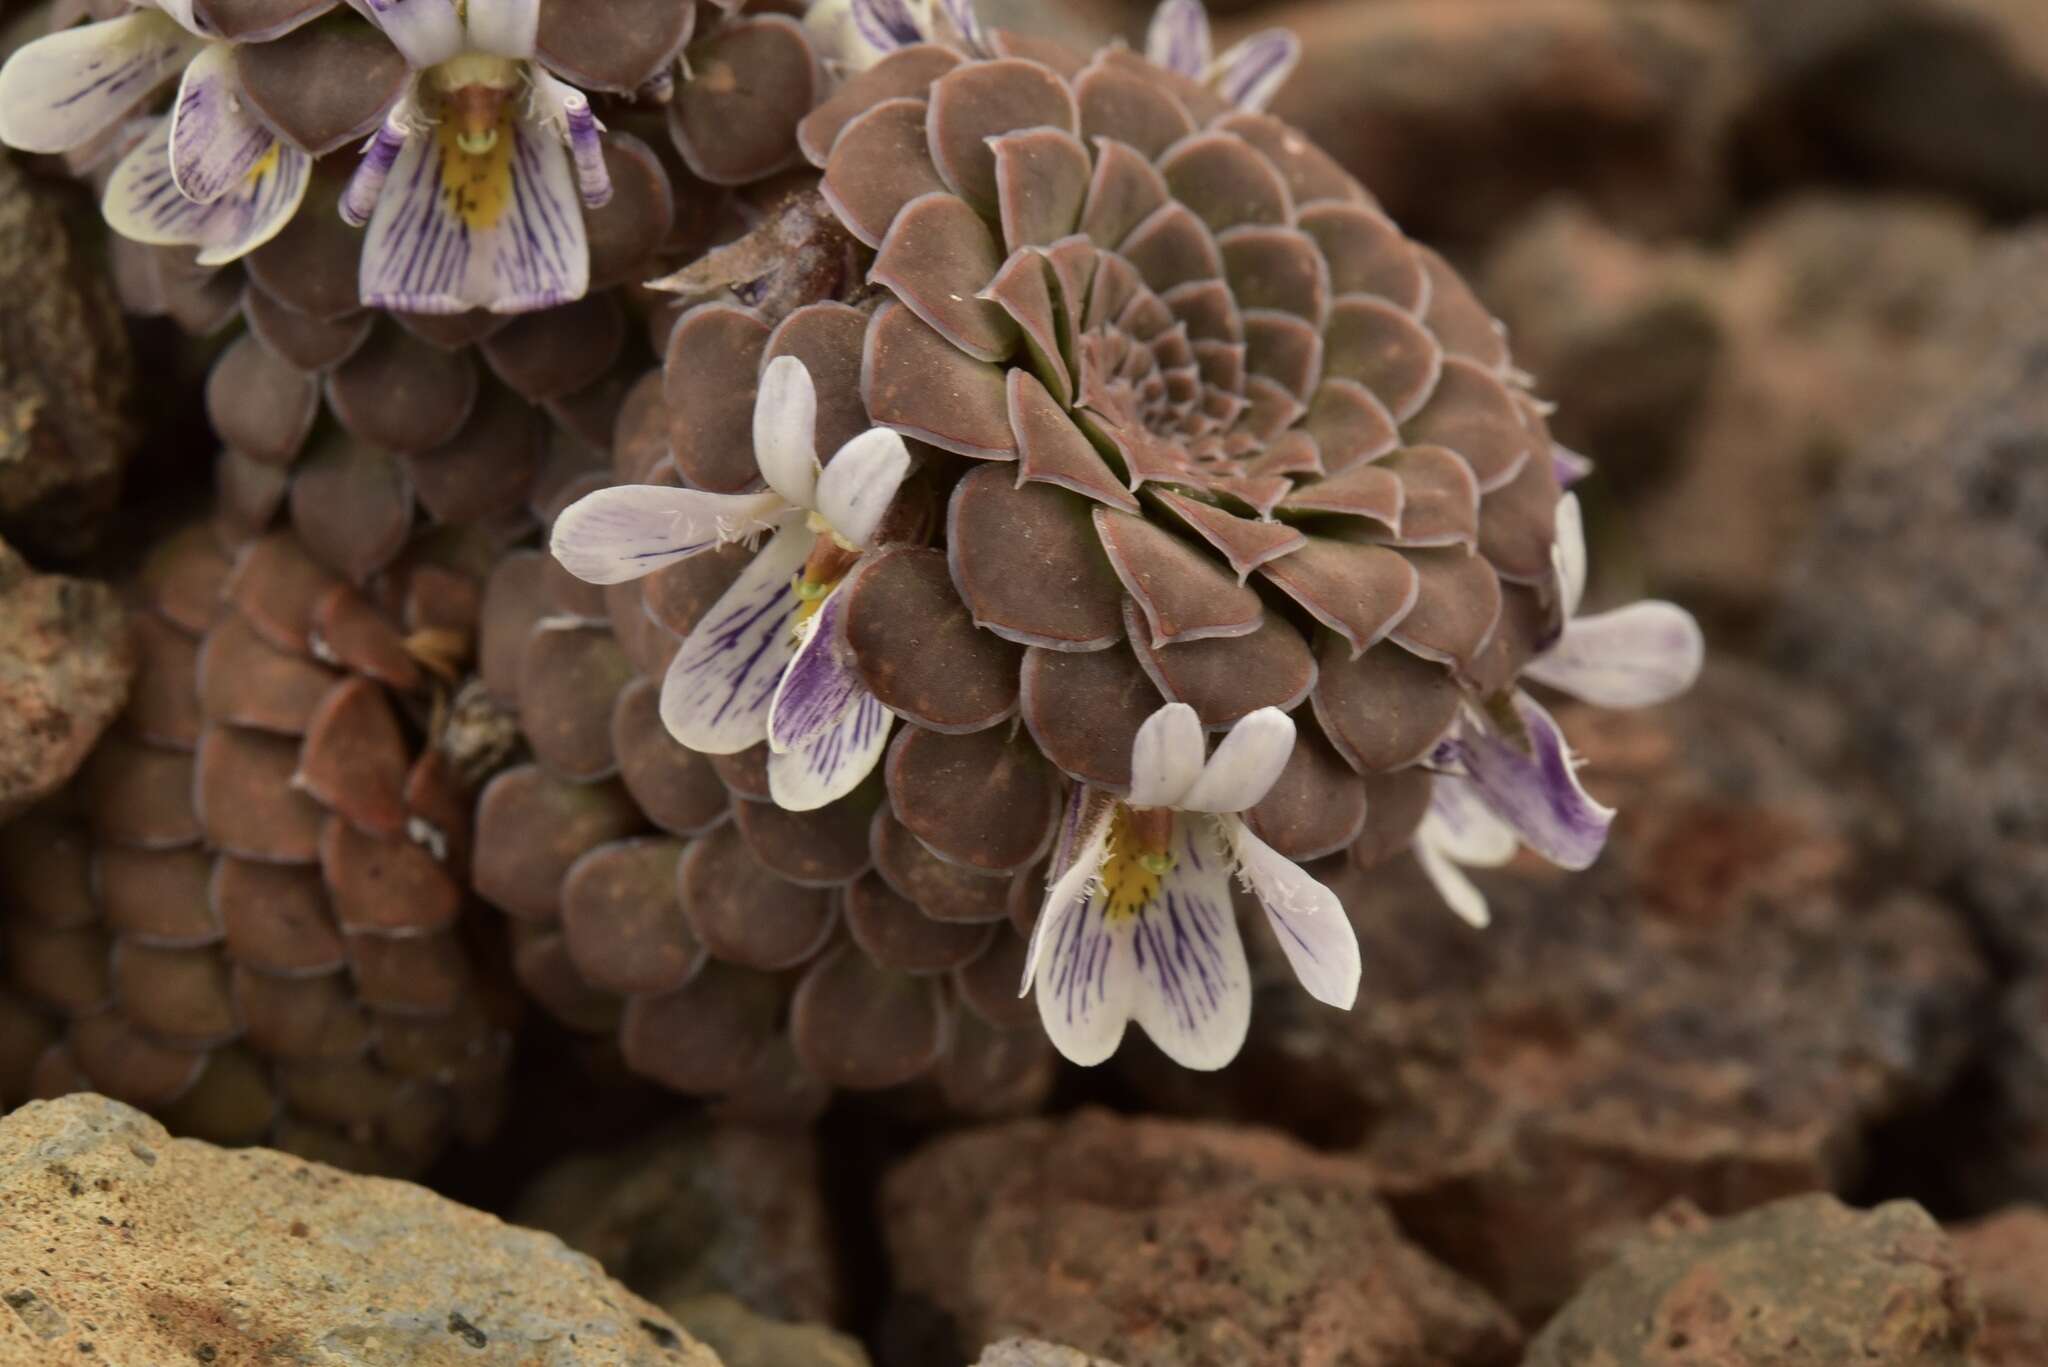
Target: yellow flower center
[1137,857]
[265,164]
[472,98]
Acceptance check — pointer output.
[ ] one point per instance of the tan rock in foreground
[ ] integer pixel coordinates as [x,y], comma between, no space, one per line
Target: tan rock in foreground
[155,1250]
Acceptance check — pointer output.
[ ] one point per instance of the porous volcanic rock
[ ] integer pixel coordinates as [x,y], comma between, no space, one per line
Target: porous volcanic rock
[65,665]
[2006,1260]
[125,1246]
[1165,1244]
[1804,1281]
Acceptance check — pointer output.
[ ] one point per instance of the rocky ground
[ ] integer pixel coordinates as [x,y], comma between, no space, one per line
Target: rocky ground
[1767,1086]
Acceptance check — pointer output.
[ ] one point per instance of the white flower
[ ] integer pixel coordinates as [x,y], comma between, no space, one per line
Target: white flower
[474,188]
[1248,75]
[768,661]
[852,35]
[1138,925]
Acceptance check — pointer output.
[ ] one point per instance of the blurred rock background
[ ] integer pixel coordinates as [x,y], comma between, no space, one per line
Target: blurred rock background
[1769,1085]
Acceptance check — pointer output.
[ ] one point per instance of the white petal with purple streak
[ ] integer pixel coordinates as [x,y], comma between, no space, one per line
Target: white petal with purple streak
[366,185]
[956,20]
[427,32]
[566,109]
[1534,787]
[64,89]
[142,202]
[1569,466]
[526,250]
[503,28]
[622,533]
[1194,995]
[1245,766]
[1178,38]
[1250,74]
[215,142]
[856,489]
[722,682]
[834,761]
[819,684]
[1461,824]
[1076,865]
[1307,918]
[1635,656]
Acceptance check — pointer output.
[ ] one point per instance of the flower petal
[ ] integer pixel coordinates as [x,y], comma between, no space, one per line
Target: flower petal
[858,486]
[1536,790]
[63,90]
[1076,865]
[1569,553]
[142,202]
[1166,756]
[1461,825]
[1082,966]
[785,431]
[1635,656]
[1460,894]
[1179,38]
[614,535]
[1251,73]
[567,110]
[428,32]
[885,25]
[956,19]
[366,185]
[719,687]
[1569,465]
[214,141]
[503,28]
[818,686]
[1307,918]
[500,230]
[1194,996]
[1245,766]
[834,761]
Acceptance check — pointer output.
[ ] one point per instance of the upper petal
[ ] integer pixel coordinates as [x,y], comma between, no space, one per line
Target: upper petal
[428,32]
[1251,73]
[785,431]
[857,488]
[622,533]
[1307,918]
[1570,554]
[1166,756]
[1635,656]
[63,90]
[1178,38]
[1534,787]
[1245,766]
[214,141]
[503,28]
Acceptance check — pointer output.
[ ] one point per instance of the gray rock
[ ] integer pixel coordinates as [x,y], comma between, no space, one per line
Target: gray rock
[742,1338]
[1036,1353]
[124,1246]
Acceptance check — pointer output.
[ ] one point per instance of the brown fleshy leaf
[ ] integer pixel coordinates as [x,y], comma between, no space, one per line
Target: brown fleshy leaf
[355,759]
[559,350]
[1185,595]
[1518,523]
[623,922]
[824,848]
[1349,425]
[628,231]
[453,331]
[1441,497]
[647,643]
[156,897]
[427,973]
[1052,450]
[936,258]
[399,392]
[389,886]
[184,577]
[1124,191]
[323,86]
[1245,543]
[905,73]
[1361,490]
[986,800]
[1122,105]
[163,702]
[1231,676]
[232,1104]
[709,378]
[301,1019]
[64,970]
[276,917]
[1317,805]
[249,493]
[1065,61]
[531,826]
[352,507]
[306,342]
[259,403]
[257,21]
[881,162]
[978,101]
[1226,182]
[916,647]
[827,338]
[515,598]
[619,46]
[46,873]
[347,629]
[1170,247]
[675,786]
[1473,414]
[1286,350]
[277,587]
[745,775]
[1367,254]
[1384,709]
[748,84]
[1395,804]
[676,597]
[706,1036]
[245,681]
[140,795]
[1071,600]
[1311,174]
[1528,622]
[890,930]
[549,976]
[863,1027]
[246,800]
[1276,268]
[744,914]
[1383,348]
[1023,290]
[1042,177]
[1084,710]
[311,265]
[942,891]
[569,681]
[640,436]
[179,995]
[1359,592]
[1458,319]
[1456,610]
[988,985]
[914,380]
[127,1065]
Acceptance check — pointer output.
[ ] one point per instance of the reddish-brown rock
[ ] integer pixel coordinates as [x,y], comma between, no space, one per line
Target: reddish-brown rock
[2006,1260]
[65,665]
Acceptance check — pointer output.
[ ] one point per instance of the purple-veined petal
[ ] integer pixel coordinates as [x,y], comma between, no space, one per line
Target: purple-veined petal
[1307,918]
[1536,790]
[833,762]
[1635,656]
[1083,968]
[1245,766]
[1194,994]
[506,236]
[861,482]
[503,28]
[1568,554]
[613,535]
[956,20]
[818,686]
[1076,867]
[1251,73]
[886,25]
[1166,756]
[215,143]
[63,90]
[567,110]
[1571,467]
[1179,38]
[1461,825]
[719,687]
[785,431]
[182,12]
[366,185]
[142,202]
[427,32]
[1460,894]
